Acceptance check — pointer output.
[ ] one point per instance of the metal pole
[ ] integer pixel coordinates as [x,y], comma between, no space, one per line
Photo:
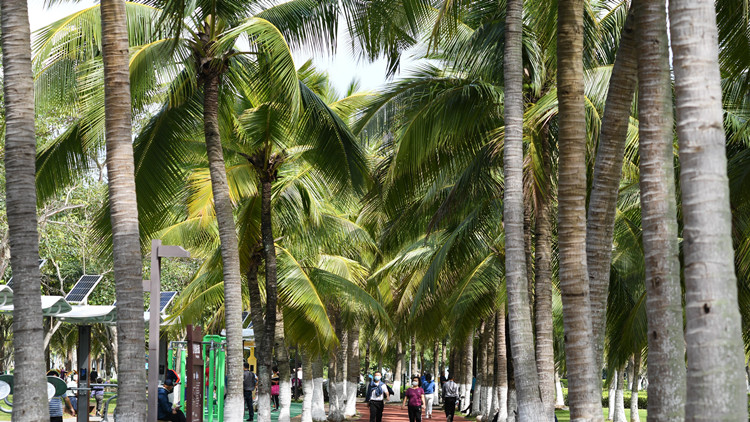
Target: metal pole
[153,332]
[84,367]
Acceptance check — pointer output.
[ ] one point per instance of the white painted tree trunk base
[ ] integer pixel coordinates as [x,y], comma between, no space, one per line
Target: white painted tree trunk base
[318,403]
[476,404]
[559,397]
[396,396]
[488,402]
[620,406]
[264,407]
[501,407]
[234,408]
[351,400]
[307,400]
[512,406]
[285,400]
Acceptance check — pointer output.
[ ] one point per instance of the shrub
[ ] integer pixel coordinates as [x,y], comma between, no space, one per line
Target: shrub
[642,399]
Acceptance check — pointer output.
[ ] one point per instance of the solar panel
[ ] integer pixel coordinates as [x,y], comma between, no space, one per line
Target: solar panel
[245,314]
[83,288]
[41,264]
[165,298]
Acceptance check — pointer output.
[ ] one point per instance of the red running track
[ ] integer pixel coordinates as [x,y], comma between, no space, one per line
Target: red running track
[394,413]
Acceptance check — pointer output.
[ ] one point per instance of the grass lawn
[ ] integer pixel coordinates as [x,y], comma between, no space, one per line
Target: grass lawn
[564,415]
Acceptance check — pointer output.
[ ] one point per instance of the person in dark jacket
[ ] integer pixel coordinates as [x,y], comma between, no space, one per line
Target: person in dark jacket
[249,382]
[166,411]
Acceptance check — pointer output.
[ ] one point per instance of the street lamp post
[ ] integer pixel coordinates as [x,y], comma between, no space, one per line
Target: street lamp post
[158,251]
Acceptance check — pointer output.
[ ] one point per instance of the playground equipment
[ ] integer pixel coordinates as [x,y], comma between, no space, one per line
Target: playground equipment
[211,375]
[85,315]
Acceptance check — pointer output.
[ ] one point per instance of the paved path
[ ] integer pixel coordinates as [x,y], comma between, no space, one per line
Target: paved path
[394,413]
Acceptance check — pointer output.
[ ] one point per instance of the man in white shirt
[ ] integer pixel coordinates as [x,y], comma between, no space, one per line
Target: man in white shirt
[377,393]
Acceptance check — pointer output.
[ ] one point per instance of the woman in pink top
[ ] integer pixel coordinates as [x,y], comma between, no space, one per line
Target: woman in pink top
[414,395]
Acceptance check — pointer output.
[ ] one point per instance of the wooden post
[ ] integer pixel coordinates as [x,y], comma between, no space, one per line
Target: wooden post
[194,375]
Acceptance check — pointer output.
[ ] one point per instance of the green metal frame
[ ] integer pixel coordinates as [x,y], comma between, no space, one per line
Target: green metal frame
[214,359]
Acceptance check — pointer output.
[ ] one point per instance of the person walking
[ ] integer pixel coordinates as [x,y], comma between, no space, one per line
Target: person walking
[71,397]
[429,387]
[450,396]
[97,393]
[377,393]
[414,396]
[249,382]
[275,389]
[56,402]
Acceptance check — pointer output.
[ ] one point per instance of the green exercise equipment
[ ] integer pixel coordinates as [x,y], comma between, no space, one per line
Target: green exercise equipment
[213,352]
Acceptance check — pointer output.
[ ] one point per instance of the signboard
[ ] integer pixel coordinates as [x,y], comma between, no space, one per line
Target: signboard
[194,375]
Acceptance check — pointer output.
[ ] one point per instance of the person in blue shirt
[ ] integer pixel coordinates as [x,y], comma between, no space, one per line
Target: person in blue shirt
[430,392]
[166,411]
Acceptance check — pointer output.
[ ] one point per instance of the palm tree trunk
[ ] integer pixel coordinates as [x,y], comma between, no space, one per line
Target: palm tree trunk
[715,386]
[265,360]
[307,387]
[436,371]
[559,397]
[285,374]
[583,377]
[398,373]
[620,397]
[488,370]
[476,404]
[545,352]
[30,398]
[528,253]
[634,417]
[262,349]
[352,373]
[467,371]
[123,210]
[318,403]
[501,366]
[612,394]
[607,172]
[413,369]
[367,356]
[336,389]
[519,312]
[666,343]
[234,402]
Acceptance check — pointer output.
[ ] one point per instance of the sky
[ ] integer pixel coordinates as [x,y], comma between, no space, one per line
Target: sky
[342,67]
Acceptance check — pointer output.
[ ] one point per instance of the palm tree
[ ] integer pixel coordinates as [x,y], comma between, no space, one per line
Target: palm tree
[659,216]
[202,56]
[714,386]
[30,398]
[124,211]
[545,353]
[520,332]
[607,174]
[584,384]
